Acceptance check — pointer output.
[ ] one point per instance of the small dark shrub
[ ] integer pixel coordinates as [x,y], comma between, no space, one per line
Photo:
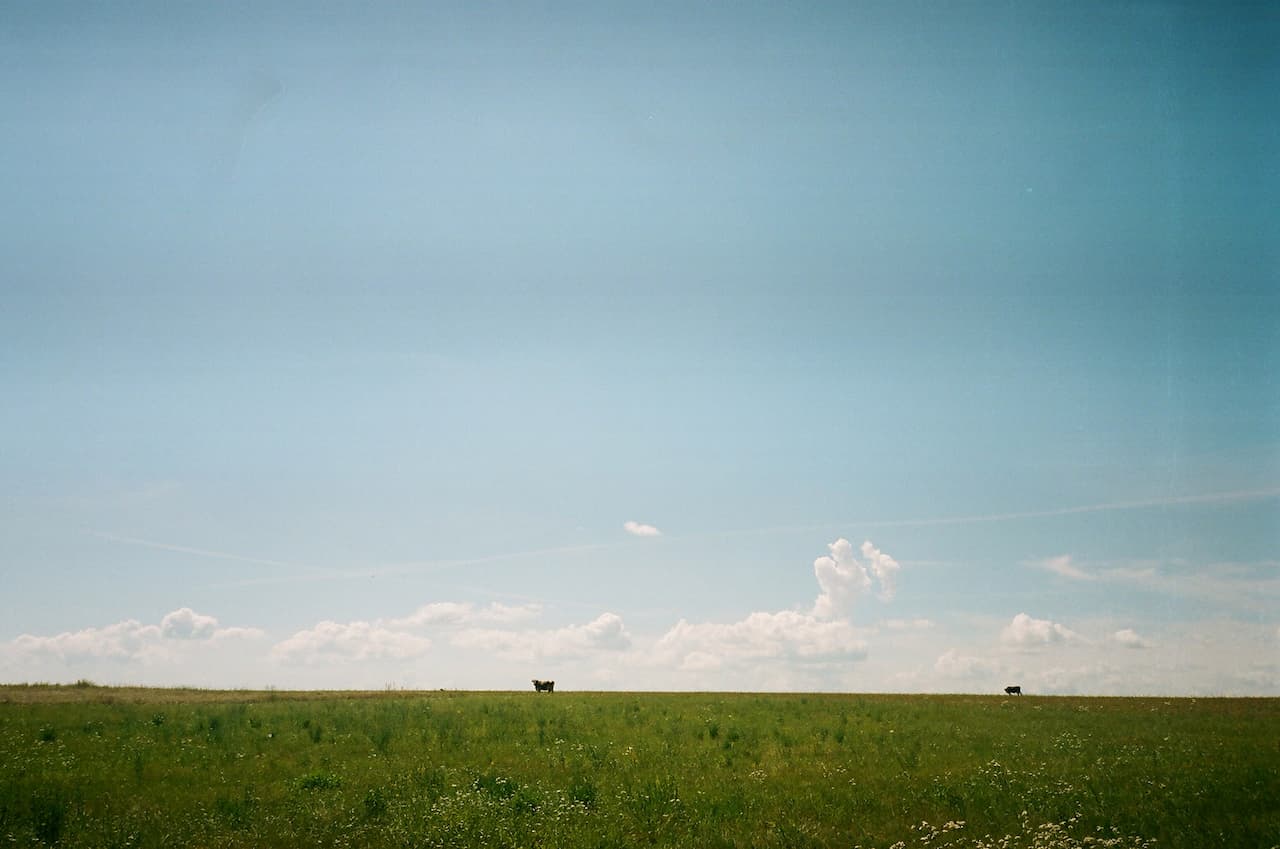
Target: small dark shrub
[319,781]
[236,812]
[48,814]
[583,791]
[526,800]
[495,785]
[375,802]
[433,780]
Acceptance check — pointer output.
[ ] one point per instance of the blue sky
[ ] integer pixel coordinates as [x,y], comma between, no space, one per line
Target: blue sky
[340,348]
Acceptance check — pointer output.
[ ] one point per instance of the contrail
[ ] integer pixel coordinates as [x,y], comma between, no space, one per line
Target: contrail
[256,95]
[199,552]
[391,570]
[405,568]
[432,565]
[1168,501]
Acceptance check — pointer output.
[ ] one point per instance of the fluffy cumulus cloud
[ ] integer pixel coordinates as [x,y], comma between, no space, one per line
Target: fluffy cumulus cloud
[638,529]
[1026,632]
[605,633]
[329,641]
[787,634]
[801,638]
[461,625]
[843,576]
[129,640]
[185,624]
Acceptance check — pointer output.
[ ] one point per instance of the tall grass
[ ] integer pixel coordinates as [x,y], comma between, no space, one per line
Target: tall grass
[96,767]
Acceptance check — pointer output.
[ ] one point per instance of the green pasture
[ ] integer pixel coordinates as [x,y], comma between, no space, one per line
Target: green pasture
[100,767]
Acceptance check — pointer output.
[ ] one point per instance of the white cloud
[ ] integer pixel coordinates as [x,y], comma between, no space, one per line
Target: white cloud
[130,639]
[842,577]
[908,624]
[236,633]
[641,530]
[462,614]
[464,624]
[185,624]
[1063,566]
[605,633]
[1129,638]
[127,640]
[351,641]
[1248,585]
[700,661]
[1025,631]
[952,664]
[787,634]
[791,637]
[883,567]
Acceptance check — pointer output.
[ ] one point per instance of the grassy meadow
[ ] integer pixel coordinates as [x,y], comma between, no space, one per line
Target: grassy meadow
[103,767]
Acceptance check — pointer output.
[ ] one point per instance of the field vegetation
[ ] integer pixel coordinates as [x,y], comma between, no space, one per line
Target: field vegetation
[101,767]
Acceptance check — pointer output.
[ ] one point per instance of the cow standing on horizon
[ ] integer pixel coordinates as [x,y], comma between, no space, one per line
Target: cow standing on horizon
[1015,690]
[544,686]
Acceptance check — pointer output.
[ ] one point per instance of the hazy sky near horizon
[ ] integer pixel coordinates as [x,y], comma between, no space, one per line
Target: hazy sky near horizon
[867,346]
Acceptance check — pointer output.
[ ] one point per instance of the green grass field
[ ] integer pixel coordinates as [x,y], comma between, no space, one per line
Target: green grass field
[90,766]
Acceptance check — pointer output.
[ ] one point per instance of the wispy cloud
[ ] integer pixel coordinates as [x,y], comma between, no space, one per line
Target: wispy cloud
[638,529]
[919,624]
[459,614]
[1130,639]
[1062,565]
[953,664]
[1245,585]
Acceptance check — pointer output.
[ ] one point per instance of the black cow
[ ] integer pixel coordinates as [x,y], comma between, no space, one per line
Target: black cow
[1014,690]
[544,686]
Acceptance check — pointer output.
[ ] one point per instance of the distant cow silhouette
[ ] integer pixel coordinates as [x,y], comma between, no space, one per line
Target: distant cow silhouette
[1013,691]
[544,686]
